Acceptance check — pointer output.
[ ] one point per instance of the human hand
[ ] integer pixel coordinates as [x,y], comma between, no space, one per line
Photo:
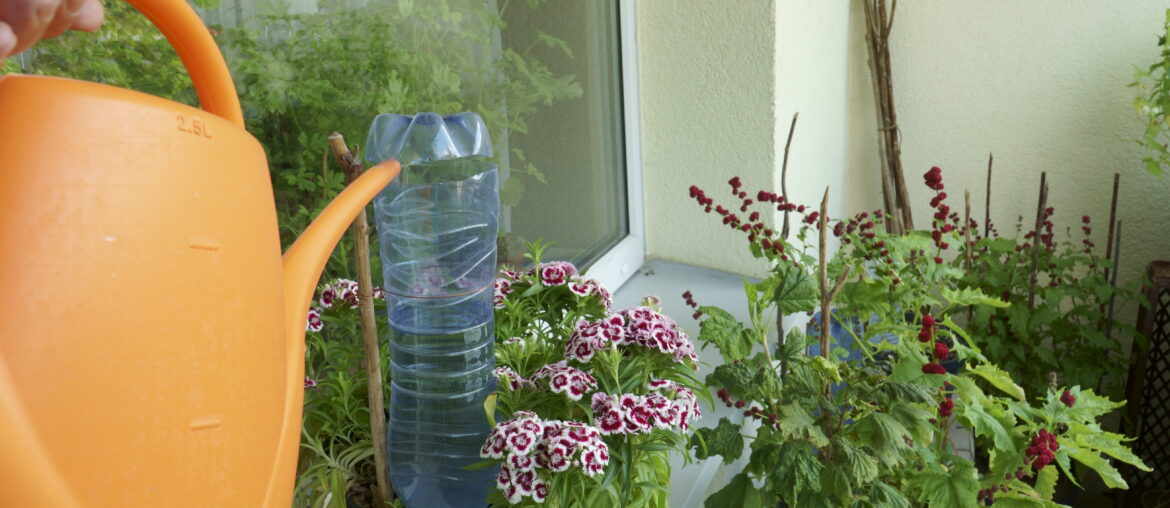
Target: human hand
[24,22]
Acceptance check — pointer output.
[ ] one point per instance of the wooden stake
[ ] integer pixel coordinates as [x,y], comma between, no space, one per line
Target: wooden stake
[784,175]
[987,203]
[823,273]
[896,198]
[1112,222]
[352,167]
[1040,206]
[827,293]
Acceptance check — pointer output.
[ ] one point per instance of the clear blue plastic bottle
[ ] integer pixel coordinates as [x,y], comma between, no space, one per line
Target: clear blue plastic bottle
[437,225]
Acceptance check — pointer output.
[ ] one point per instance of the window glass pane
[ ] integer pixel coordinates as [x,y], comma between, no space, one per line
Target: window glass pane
[548,83]
[576,144]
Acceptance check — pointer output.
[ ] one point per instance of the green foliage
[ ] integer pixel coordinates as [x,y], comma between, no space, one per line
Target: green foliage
[867,422]
[1066,331]
[723,440]
[337,453]
[738,492]
[1153,104]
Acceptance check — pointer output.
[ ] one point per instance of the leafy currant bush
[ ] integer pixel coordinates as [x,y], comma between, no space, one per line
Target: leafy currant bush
[1067,330]
[870,426]
[593,398]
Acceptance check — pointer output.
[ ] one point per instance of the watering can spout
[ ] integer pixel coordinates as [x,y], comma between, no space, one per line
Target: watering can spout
[302,267]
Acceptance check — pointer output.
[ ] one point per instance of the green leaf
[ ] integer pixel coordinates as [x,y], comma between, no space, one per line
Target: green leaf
[1108,443]
[999,379]
[987,417]
[724,440]
[886,496]
[722,330]
[1046,482]
[796,423]
[797,470]
[835,483]
[884,435]
[862,467]
[795,291]
[1094,461]
[736,377]
[739,492]
[971,296]
[908,392]
[827,368]
[955,487]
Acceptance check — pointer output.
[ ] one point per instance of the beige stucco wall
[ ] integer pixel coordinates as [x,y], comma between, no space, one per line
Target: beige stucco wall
[706,80]
[1042,85]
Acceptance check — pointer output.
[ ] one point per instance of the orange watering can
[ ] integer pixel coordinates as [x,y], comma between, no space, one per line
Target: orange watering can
[152,338]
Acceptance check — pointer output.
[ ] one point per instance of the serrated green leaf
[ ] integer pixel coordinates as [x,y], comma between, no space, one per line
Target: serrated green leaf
[971,296]
[884,435]
[1094,461]
[908,392]
[956,487]
[1046,482]
[724,440]
[835,484]
[797,470]
[722,330]
[987,417]
[827,368]
[999,379]
[736,377]
[739,492]
[796,423]
[886,496]
[1108,443]
[795,291]
[862,467]
[916,420]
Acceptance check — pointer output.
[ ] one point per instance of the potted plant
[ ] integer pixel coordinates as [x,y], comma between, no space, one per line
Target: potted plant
[827,430]
[591,399]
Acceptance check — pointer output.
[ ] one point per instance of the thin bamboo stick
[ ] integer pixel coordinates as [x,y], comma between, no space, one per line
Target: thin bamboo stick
[352,167]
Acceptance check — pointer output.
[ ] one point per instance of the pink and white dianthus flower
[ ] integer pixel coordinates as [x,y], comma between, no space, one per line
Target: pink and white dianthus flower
[556,273]
[313,322]
[590,337]
[672,405]
[526,445]
[562,378]
[647,328]
[500,291]
[515,380]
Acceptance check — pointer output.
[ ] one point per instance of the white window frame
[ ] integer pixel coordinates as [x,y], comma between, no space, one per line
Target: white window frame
[620,263]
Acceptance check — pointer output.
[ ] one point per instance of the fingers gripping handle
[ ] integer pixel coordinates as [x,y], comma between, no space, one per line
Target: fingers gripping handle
[202,58]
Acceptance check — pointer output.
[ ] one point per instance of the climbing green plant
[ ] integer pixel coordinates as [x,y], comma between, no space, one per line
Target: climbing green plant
[1153,105]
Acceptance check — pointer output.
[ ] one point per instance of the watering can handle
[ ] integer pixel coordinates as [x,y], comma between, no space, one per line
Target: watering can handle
[199,53]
